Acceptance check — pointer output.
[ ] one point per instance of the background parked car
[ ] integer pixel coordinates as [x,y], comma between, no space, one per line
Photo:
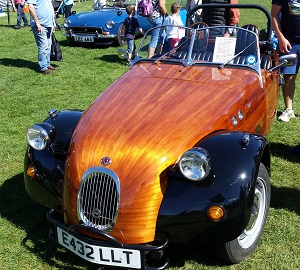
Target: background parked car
[104,24]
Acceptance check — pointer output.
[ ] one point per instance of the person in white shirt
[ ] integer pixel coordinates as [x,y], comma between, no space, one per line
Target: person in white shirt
[173,31]
[98,4]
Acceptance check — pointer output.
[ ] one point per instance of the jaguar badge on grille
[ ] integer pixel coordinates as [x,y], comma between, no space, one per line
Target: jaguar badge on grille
[96,213]
[105,161]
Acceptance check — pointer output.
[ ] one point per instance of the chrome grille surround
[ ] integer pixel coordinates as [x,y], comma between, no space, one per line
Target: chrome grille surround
[86,30]
[99,198]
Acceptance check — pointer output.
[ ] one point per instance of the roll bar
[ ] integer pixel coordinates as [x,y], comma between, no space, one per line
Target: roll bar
[240,6]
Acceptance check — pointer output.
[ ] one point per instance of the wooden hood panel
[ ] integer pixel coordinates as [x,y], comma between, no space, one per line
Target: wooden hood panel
[144,121]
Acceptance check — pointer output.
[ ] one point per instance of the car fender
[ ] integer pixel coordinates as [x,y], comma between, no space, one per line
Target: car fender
[234,159]
[45,184]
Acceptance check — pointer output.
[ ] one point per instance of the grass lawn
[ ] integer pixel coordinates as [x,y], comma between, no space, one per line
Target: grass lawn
[25,98]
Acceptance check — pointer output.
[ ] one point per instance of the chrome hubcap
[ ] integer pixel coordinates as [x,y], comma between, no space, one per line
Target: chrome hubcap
[251,233]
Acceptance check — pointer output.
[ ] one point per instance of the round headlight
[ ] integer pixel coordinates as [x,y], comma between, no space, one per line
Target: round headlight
[194,164]
[38,136]
[110,24]
[67,23]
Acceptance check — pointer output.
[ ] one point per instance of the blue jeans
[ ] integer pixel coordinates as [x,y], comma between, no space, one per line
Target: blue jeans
[130,45]
[21,15]
[68,10]
[43,42]
[158,35]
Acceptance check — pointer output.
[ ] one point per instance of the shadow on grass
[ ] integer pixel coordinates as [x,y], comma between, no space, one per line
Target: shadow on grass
[7,25]
[18,208]
[113,58]
[285,197]
[19,63]
[282,151]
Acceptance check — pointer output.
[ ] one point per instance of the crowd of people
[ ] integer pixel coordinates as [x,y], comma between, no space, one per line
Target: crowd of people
[284,13]
[20,6]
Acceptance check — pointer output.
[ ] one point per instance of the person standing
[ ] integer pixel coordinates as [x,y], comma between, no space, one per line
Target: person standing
[197,15]
[172,32]
[221,16]
[68,4]
[131,24]
[42,22]
[157,19]
[286,24]
[18,6]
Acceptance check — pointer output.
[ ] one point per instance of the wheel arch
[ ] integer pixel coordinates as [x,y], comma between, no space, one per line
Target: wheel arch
[245,151]
[45,184]
[235,159]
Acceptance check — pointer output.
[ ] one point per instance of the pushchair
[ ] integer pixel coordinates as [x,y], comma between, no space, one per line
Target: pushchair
[57,6]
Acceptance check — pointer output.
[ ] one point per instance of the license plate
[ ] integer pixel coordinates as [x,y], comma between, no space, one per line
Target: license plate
[84,39]
[100,254]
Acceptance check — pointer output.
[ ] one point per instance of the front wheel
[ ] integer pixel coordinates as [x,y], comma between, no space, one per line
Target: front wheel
[121,35]
[244,245]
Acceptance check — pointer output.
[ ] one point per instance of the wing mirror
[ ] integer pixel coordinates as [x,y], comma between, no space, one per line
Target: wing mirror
[285,60]
[288,60]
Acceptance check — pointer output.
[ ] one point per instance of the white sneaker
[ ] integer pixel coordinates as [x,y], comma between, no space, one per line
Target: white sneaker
[286,115]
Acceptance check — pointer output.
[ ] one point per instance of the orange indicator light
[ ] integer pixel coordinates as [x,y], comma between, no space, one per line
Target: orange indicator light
[31,171]
[215,213]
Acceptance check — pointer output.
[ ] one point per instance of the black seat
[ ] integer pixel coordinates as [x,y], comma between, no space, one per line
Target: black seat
[244,38]
[203,56]
[265,61]
[240,60]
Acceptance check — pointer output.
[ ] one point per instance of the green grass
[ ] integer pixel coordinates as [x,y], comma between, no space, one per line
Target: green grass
[25,98]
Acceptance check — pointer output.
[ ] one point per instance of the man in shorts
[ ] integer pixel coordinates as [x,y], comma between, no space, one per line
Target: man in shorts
[286,24]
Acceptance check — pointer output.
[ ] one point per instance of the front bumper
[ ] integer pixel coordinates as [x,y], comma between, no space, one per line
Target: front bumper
[104,252]
[90,36]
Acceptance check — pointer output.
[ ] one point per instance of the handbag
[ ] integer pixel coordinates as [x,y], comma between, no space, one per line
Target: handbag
[56,53]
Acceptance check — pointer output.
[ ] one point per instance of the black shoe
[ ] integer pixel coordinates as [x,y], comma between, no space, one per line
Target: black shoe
[17,27]
[26,25]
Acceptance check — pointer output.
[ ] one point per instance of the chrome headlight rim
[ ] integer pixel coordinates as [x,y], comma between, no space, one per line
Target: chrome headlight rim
[194,164]
[67,23]
[39,135]
[110,24]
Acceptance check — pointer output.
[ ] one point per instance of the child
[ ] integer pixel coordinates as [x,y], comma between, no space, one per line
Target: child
[18,6]
[173,32]
[131,24]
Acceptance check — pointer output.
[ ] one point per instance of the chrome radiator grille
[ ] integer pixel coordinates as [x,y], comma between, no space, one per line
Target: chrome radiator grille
[87,30]
[98,198]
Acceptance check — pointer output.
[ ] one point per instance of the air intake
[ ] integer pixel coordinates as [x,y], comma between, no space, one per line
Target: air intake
[98,198]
